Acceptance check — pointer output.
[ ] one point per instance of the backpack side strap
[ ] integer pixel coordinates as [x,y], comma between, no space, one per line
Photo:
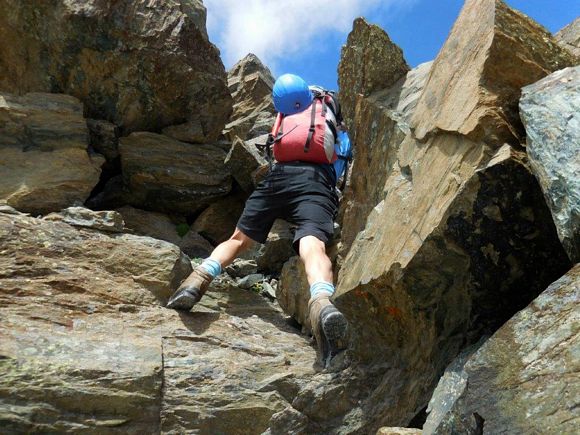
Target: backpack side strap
[312,128]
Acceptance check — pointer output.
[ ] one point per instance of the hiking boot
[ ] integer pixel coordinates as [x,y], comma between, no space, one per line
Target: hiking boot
[191,290]
[329,327]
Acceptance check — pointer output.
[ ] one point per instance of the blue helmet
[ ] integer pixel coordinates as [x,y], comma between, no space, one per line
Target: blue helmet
[291,94]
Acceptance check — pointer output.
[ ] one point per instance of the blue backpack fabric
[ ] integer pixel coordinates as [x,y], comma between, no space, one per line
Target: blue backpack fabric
[343,149]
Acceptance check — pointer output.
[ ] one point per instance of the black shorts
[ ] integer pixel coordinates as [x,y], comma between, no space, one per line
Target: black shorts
[300,193]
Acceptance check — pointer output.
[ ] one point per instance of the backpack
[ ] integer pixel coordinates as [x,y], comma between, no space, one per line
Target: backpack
[310,135]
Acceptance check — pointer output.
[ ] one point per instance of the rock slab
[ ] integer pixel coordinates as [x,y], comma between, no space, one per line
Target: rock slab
[45,164]
[525,378]
[476,70]
[550,110]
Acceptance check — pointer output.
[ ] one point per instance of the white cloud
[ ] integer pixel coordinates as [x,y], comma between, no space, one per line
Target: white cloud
[272,29]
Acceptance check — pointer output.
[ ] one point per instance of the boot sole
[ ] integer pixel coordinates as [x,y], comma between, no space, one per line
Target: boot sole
[334,326]
[182,301]
[334,333]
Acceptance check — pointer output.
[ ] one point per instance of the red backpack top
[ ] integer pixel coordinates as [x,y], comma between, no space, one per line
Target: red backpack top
[309,135]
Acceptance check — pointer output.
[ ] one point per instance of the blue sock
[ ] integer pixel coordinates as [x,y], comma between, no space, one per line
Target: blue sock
[214,268]
[321,287]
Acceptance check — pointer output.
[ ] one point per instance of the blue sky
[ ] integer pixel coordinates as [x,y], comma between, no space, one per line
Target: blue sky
[305,36]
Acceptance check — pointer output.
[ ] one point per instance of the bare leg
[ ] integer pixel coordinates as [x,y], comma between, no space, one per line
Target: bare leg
[227,251]
[194,287]
[329,326]
[317,264]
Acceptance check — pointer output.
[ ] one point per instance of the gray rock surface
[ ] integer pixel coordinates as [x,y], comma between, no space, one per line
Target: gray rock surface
[525,378]
[45,163]
[550,110]
[569,37]
[109,221]
[142,65]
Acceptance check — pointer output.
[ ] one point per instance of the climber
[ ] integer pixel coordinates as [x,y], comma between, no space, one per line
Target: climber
[300,187]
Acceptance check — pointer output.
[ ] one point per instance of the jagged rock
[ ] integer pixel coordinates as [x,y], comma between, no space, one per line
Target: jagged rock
[218,222]
[524,379]
[109,221]
[449,388]
[461,249]
[369,62]
[293,292]
[398,431]
[250,280]
[380,125]
[104,138]
[243,159]
[277,249]
[569,37]
[163,174]
[550,110]
[142,65]
[250,83]
[86,347]
[45,165]
[474,85]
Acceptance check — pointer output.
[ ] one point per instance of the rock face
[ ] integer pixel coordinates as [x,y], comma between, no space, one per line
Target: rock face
[569,37]
[293,292]
[524,379]
[142,65]
[250,83]
[380,124]
[467,84]
[163,174]
[550,111]
[369,62]
[86,346]
[44,161]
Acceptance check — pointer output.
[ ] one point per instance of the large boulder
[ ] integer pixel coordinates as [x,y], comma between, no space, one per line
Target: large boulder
[550,111]
[525,378]
[142,65]
[163,174]
[369,62]
[569,37]
[218,222]
[45,163]
[87,347]
[474,85]
[250,83]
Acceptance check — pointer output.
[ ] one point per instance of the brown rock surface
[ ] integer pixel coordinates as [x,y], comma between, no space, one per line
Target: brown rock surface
[163,174]
[250,83]
[142,65]
[380,125]
[243,159]
[569,37]
[44,161]
[86,347]
[369,62]
[293,292]
[474,85]
[218,222]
